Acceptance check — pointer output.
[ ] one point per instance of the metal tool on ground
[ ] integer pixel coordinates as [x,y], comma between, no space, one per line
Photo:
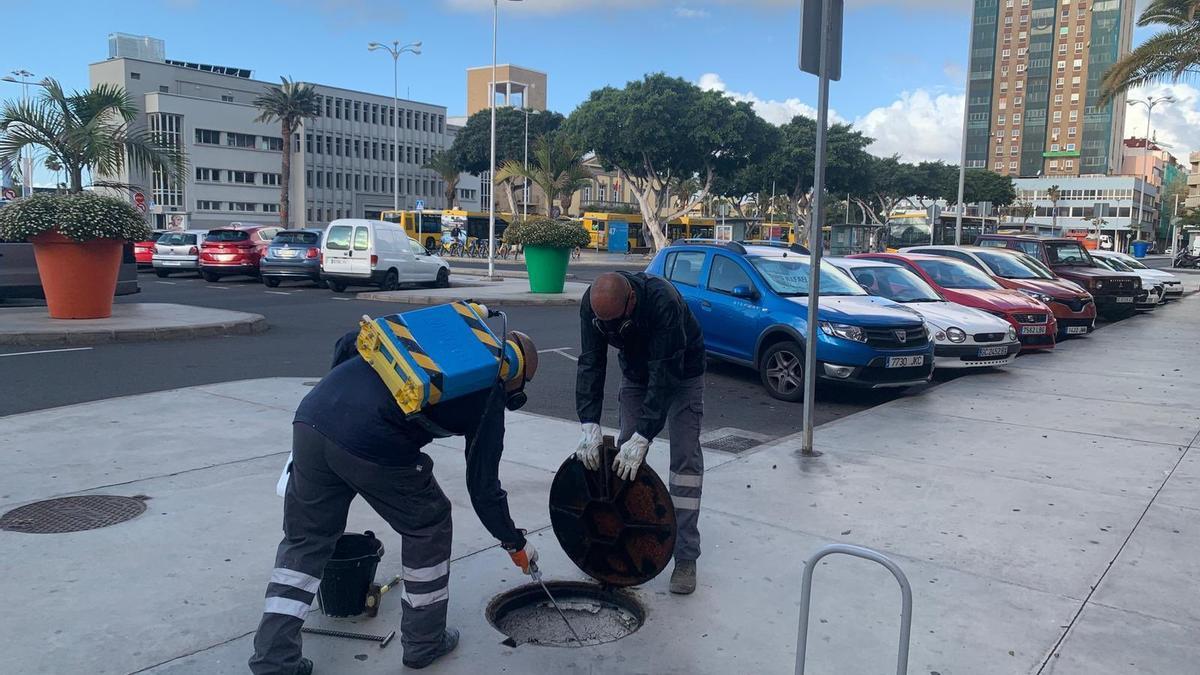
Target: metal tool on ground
[537,576]
[383,640]
[375,595]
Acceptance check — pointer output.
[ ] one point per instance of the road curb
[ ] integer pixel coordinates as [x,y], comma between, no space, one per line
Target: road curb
[253,324]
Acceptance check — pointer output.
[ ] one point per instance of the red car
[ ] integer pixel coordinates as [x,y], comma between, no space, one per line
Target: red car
[1074,308]
[234,250]
[966,285]
[143,251]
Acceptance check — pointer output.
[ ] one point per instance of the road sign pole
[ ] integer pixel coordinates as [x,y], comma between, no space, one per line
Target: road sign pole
[826,32]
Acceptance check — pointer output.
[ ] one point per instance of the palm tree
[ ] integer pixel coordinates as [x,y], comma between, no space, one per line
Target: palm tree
[91,130]
[1169,55]
[1053,193]
[556,167]
[445,165]
[290,104]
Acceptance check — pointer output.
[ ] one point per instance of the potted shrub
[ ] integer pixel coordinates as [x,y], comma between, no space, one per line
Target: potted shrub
[548,245]
[77,241]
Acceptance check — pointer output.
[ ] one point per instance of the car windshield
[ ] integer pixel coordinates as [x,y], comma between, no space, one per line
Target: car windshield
[307,238]
[1114,264]
[789,277]
[338,238]
[1131,262]
[1010,266]
[227,235]
[1067,254]
[954,274]
[895,283]
[177,239]
[1037,265]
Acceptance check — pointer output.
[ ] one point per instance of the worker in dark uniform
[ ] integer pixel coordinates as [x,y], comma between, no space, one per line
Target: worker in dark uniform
[350,437]
[662,365]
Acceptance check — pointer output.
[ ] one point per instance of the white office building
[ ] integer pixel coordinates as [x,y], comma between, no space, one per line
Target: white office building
[1127,206]
[342,165]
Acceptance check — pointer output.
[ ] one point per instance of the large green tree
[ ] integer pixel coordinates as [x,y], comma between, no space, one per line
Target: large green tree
[444,165]
[555,166]
[889,182]
[289,104]
[472,146]
[659,129]
[1167,56]
[94,130]
[982,185]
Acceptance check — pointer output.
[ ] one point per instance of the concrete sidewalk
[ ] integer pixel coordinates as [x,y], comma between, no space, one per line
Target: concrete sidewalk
[130,322]
[1048,518]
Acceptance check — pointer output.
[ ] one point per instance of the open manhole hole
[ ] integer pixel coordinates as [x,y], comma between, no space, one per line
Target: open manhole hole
[734,444]
[72,514]
[527,616]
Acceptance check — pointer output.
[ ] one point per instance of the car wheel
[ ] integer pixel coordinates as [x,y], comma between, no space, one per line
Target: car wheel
[336,286]
[443,278]
[271,282]
[162,274]
[391,281]
[210,277]
[782,371]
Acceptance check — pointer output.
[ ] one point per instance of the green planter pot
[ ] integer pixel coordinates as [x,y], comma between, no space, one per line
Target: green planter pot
[547,268]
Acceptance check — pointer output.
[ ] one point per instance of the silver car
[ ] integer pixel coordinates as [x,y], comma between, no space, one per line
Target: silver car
[178,252]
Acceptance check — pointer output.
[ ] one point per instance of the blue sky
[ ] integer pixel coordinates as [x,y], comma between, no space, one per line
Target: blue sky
[902,72]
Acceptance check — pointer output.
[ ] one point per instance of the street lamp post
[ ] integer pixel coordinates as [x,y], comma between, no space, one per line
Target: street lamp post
[525,205]
[396,50]
[492,174]
[22,76]
[1149,102]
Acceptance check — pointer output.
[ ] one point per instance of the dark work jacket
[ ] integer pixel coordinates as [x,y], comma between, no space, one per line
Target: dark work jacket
[352,407]
[667,346]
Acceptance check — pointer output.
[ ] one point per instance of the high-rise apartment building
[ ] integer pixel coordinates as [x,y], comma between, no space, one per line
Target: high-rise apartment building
[1034,95]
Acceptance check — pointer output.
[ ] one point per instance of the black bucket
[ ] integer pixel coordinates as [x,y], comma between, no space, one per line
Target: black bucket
[349,574]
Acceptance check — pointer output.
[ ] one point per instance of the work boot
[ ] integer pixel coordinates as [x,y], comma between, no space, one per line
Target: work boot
[683,579]
[449,642]
[305,667]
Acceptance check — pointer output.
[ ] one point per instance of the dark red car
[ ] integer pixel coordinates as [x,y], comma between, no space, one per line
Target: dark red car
[968,286]
[143,251]
[234,250]
[1074,308]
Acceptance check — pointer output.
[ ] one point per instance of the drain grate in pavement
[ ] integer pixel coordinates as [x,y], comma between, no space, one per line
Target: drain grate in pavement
[734,444]
[72,514]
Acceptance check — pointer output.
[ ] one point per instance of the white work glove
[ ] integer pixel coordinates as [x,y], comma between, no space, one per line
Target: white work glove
[281,484]
[631,456]
[588,450]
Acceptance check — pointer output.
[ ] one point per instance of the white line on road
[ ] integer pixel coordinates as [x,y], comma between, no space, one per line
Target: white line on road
[169,283]
[561,351]
[220,288]
[48,351]
[276,293]
[342,299]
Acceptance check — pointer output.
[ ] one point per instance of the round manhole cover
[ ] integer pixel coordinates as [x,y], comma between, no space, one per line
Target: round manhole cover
[72,514]
[527,616]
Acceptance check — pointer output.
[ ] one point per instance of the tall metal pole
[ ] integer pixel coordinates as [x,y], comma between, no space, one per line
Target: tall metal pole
[396,125]
[962,162]
[26,157]
[492,174]
[525,205]
[1175,228]
[816,219]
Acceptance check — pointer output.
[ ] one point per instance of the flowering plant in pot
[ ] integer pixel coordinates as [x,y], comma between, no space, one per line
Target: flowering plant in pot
[548,244]
[77,241]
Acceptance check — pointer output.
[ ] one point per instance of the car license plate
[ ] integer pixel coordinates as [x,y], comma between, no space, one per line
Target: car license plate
[905,361]
[1125,299]
[1033,330]
[1077,330]
[170,263]
[225,257]
[993,351]
[288,252]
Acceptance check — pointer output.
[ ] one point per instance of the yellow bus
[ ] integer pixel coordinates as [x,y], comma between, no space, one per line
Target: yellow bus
[597,226]
[692,227]
[428,231]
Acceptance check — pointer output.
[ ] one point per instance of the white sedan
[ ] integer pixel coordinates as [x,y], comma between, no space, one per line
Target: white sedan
[963,337]
[1172,284]
[1155,289]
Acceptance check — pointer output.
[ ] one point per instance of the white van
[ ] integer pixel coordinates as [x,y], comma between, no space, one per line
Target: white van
[358,252]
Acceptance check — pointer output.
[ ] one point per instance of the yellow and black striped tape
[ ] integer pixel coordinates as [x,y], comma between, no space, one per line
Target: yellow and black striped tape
[436,377]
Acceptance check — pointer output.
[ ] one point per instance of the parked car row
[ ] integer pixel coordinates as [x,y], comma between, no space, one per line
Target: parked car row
[349,252]
[888,319]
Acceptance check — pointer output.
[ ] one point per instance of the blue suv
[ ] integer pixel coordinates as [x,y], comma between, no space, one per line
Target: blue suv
[751,303]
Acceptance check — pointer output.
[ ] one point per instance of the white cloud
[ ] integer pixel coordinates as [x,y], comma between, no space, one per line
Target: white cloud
[1174,125]
[918,126]
[685,12]
[773,111]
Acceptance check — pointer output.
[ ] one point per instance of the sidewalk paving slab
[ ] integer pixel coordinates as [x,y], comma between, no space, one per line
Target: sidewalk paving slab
[1106,640]
[505,292]
[130,322]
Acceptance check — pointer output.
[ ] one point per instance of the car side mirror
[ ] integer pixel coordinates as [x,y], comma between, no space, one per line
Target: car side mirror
[744,292]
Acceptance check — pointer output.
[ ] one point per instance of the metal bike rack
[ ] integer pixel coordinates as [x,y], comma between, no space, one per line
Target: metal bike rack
[866,554]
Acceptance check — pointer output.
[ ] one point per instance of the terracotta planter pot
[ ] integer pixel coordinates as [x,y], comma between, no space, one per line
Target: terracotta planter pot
[79,278]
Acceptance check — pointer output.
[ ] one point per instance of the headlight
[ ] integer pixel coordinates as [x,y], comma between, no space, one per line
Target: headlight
[1098,284]
[1041,297]
[956,335]
[844,331]
[1012,334]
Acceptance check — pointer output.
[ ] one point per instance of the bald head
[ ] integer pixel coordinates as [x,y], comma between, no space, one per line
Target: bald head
[610,296]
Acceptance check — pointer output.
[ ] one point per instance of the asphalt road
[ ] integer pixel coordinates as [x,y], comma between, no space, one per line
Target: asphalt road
[306,321]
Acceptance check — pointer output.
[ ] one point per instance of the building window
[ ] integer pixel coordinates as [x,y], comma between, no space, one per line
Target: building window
[357,111]
[339,181]
[337,146]
[1016,118]
[999,166]
[208,175]
[270,208]
[1014,151]
[1054,164]
[245,207]
[308,178]
[243,177]
[1012,166]
[1070,163]
[320,179]
[328,110]
[1070,147]
[226,98]
[1071,132]
[308,144]
[164,89]
[271,178]
[1074,116]
[1000,120]
[206,205]
[1058,99]
[1074,98]
[1057,116]
[329,145]
[208,136]
[1016,133]
[374,113]
[135,76]
[1062,65]
[1055,147]
[329,179]
[240,140]
[273,143]
[167,129]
